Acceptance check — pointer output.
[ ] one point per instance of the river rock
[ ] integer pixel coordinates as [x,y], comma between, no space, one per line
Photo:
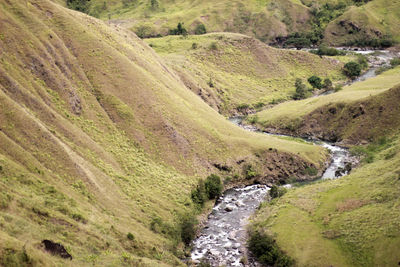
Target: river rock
[229,208]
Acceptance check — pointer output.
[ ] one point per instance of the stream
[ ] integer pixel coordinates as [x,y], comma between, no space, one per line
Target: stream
[222,241]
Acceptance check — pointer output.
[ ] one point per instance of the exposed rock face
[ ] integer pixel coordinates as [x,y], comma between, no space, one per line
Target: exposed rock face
[56,249]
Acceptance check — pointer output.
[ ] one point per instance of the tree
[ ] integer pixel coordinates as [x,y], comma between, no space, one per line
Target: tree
[200,29]
[301,90]
[179,30]
[352,69]
[315,82]
[213,186]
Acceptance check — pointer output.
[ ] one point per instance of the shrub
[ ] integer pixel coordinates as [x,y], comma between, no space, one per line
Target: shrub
[301,90]
[130,236]
[311,171]
[200,29]
[315,82]
[276,191]
[214,46]
[154,4]
[327,51]
[179,30]
[194,45]
[213,186]
[250,172]
[198,195]
[395,62]
[79,5]
[265,249]
[187,228]
[352,69]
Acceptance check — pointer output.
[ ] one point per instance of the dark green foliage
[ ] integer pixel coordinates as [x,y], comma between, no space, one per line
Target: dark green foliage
[242,107]
[301,90]
[276,191]
[311,171]
[200,29]
[250,172]
[79,5]
[213,186]
[267,252]
[315,82]
[384,42]
[199,195]
[298,40]
[194,45]
[164,228]
[179,30]
[187,228]
[352,69]
[395,62]
[126,3]
[327,84]
[130,236]
[327,51]
[154,4]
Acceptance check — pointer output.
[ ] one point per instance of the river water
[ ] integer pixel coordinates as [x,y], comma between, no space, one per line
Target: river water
[223,239]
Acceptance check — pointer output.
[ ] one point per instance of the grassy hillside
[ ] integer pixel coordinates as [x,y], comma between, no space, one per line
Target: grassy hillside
[336,22]
[233,72]
[375,20]
[100,138]
[352,221]
[247,17]
[290,115]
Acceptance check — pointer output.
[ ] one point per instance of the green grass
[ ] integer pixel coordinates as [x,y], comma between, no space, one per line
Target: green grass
[352,221]
[242,70]
[98,137]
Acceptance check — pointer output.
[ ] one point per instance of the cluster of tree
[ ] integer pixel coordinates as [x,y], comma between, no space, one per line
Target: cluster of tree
[179,30]
[324,50]
[211,188]
[384,42]
[302,91]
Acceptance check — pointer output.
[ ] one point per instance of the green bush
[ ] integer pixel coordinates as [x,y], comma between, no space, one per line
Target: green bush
[179,30]
[199,195]
[311,171]
[214,46]
[200,29]
[352,69]
[213,186]
[195,46]
[130,236]
[395,62]
[250,172]
[327,51]
[187,228]
[265,249]
[301,90]
[79,5]
[276,191]
[315,82]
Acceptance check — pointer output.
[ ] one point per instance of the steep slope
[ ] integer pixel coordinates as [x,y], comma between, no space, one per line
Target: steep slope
[99,138]
[378,19]
[233,72]
[328,116]
[337,22]
[352,221]
[262,19]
